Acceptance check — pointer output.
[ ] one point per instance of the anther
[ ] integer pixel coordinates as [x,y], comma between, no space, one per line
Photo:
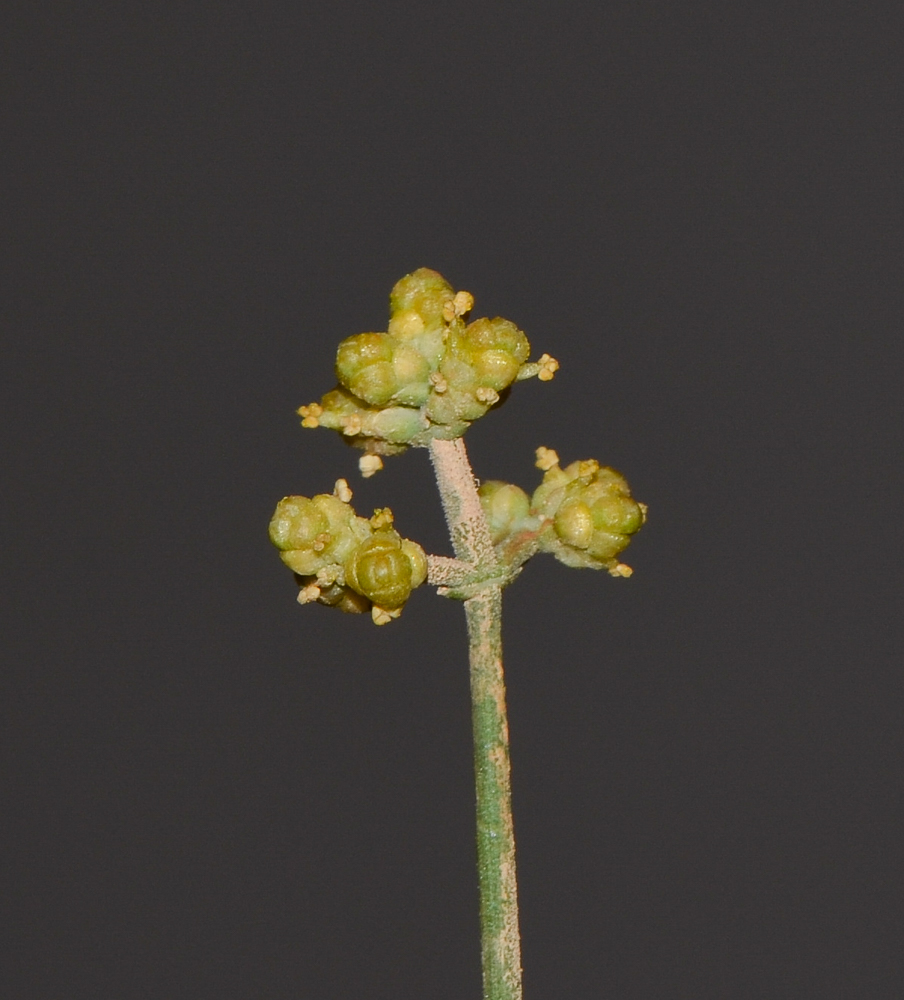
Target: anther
[341,491]
[370,465]
[548,367]
[308,594]
[311,414]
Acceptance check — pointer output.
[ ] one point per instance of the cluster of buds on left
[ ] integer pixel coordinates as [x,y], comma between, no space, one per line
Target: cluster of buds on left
[342,560]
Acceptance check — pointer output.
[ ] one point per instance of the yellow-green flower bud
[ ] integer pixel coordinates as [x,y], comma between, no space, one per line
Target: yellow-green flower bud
[358,352]
[313,534]
[617,513]
[364,364]
[425,291]
[495,369]
[505,506]
[381,570]
[574,523]
[296,523]
[497,335]
[496,349]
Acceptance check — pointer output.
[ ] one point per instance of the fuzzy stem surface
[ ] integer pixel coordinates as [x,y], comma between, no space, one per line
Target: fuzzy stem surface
[500,939]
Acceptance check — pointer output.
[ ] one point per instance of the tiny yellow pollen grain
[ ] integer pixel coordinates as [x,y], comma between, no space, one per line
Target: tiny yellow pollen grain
[620,569]
[438,382]
[321,541]
[449,310]
[588,468]
[370,465]
[341,490]
[546,458]
[487,395]
[308,594]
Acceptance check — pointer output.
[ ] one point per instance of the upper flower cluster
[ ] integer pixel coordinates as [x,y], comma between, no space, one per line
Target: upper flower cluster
[429,375]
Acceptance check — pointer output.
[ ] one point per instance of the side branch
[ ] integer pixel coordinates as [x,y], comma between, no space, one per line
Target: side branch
[445,572]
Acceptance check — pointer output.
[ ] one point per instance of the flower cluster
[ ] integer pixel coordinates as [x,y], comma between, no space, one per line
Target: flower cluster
[342,560]
[583,514]
[590,513]
[429,375]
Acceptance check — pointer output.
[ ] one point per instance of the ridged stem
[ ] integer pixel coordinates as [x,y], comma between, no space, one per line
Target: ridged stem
[500,939]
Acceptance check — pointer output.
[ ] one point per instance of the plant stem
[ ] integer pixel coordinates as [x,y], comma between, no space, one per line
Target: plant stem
[500,940]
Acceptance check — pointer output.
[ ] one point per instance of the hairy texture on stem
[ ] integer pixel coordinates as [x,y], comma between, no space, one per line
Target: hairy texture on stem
[461,504]
[495,833]
[500,941]
[445,572]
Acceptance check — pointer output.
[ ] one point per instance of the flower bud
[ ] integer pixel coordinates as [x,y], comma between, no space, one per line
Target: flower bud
[497,335]
[296,523]
[424,291]
[314,534]
[505,506]
[574,523]
[358,352]
[381,570]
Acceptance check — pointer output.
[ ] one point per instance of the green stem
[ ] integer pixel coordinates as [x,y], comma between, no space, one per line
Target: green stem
[500,940]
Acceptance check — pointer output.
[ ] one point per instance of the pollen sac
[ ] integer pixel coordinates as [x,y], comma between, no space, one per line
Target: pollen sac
[590,513]
[506,507]
[430,375]
[345,561]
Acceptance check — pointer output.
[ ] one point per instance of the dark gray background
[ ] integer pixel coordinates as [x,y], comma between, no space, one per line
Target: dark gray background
[213,793]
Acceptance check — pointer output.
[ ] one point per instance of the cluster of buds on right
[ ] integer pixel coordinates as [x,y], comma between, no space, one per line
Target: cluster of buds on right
[342,560]
[592,511]
[583,514]
[429,375]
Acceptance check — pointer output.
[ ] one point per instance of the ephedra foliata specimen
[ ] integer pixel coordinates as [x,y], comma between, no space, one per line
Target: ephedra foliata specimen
[421,383]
